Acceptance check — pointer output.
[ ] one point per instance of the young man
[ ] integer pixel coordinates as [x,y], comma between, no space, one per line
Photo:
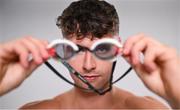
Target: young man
[84,22]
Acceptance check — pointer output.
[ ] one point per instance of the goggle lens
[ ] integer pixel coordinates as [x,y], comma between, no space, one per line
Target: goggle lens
[64,51]
[106,51]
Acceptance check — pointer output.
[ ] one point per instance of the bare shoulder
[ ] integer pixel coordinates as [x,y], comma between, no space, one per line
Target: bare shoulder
[48,104]
[132,101]
[54,103]
[144,102]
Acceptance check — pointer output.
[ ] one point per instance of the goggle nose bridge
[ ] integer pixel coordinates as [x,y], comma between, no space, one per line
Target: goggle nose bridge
[82,48]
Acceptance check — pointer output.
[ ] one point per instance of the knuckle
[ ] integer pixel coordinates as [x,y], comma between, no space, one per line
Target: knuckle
[147,38]
[28,37]
[18,45]
[135,48]
[151,42]
[45,42]
[138,36]
[23,40]
[141,34]
[172,50]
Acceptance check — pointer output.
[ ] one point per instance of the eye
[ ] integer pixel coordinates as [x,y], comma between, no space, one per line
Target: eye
[104,48]
[64,51]
[67,50]
[105,51]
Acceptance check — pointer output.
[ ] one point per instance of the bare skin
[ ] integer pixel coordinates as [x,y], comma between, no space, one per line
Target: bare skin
[160,70]
[14,59]
[117,98]
[161,64]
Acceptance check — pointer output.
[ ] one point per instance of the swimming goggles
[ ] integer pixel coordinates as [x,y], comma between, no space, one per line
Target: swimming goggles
[105,49]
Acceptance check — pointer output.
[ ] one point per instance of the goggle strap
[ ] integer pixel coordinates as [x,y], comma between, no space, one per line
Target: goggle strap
[100,92]
[130,68]
[78,76]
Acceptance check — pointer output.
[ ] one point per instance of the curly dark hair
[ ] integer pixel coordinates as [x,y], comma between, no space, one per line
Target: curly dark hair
[84,17]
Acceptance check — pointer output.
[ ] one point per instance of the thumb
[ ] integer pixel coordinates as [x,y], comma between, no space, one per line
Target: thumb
[32,66]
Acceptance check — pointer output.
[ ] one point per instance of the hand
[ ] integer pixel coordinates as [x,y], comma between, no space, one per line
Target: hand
[15,65]
[160,68]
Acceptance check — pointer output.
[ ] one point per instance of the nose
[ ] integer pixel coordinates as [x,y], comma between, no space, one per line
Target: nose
[89,63]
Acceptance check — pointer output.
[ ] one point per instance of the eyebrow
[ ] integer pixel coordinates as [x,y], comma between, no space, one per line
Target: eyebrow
[82,48]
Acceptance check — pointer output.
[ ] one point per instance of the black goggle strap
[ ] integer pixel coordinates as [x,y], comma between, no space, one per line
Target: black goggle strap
[128,71]
[58,74]
[100,92]
[79,76]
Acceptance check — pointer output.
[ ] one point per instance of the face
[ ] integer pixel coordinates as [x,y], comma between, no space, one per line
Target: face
[95,71]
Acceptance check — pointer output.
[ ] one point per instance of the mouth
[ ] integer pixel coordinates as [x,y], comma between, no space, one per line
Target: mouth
[91,78]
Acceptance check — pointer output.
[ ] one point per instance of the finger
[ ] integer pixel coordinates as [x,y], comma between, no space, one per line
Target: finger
[136,51]
[130,42]
[149,60]
[166,54]
[41,46]
[34,50]
[23,54]
[32,66]
[7,52]
[119,51]
[45,42]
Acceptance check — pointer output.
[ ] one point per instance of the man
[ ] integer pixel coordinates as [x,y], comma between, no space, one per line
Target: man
[84,22]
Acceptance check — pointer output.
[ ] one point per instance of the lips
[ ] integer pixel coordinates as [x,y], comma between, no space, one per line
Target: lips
[91,78]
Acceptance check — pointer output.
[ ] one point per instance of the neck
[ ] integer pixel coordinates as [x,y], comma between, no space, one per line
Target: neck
[84,99]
